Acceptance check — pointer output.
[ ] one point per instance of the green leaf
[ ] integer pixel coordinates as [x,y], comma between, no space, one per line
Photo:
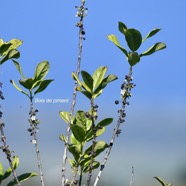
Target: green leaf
[22,178]
[87,78]
[1,41]
[90,133]
[133,58]
[62,138]
[100,146]
[122,27]
[1,172]
[152,33]
[8,172]
[15,85]
[15,162]
[103,84]
[105,122]
[78,132]
[84,92]
[74,141]
[15,43]
[114,39]
[98,76]
[133,38]
[4,47]
[75,77]
[18,66]
[95,165]
[66,116]
[75,152]
[27,83]
[72,162]
[10,55]
[161,181]
[154,48]
[41,70]
[81,119]
[43,85]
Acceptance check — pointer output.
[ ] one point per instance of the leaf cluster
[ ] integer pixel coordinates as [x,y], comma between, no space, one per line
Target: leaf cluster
[82,133]
[8,50]
[134,40]
[37,82]
[5,174]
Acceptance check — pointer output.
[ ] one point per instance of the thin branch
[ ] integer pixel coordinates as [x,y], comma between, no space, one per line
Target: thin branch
[81,14]
[33,132]
[126,87]
[5,147]
[132,176]
[93,118]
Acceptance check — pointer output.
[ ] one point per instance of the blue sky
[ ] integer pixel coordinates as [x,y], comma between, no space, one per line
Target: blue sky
[153,138]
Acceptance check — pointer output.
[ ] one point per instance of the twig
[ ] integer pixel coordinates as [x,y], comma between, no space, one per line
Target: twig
[5,147]
[126,87]
[80,14]
[132,176]
[33,132]
[93,118]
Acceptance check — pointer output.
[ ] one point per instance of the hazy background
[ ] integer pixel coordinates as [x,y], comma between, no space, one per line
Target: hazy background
[154,134]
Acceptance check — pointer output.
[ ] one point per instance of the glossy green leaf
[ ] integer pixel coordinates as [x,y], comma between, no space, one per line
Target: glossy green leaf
[103,84]
[43,85]
[161,181]
[152,33]
[8,172]
[62,138]
[15,85]
[4,47]
[18,66]
[66,116]
[22,178]
[10,55]
[41,70]
[133,38]
[75,77]
[95,165]
[75,152]
[81,118]
[84,92]
[122,27]
[27,83]
[78,132]
[105,122]
[15,43]
[133,58]
[72,162]
[1,172]
[74,141]
[154,48]
[98,76]
[90,133]
[100,146]
[87,78]
[114,39]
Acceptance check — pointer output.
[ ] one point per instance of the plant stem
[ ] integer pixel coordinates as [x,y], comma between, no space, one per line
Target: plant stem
[33,132]
[132,176]
[126,87]
[93,117]
[5,147]
[80,24]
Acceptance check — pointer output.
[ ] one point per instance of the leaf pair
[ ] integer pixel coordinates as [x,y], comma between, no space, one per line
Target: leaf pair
[92,86]
[8,50]
[37,82]
[8,172]
[134,40]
